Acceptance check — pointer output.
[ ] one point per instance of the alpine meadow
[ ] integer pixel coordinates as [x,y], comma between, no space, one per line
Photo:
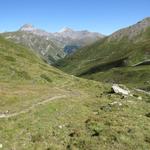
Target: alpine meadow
[73,88]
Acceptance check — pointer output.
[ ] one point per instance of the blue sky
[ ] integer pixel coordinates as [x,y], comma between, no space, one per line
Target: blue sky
[105,16]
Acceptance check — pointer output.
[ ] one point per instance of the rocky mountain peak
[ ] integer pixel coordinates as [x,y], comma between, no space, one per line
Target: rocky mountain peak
[30,28]
[66,29]
[27,27]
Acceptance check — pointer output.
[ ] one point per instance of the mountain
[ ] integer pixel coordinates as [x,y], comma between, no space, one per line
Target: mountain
[27,27]
[52,46]
[125,48]
[38,40]
[74,40]
[30,28]
[78,35]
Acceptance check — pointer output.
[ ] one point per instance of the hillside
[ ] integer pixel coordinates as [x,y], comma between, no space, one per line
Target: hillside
[124,48]
[44,108]
[50,50]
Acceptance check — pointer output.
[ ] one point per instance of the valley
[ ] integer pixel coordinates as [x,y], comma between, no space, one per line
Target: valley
[115,59]
[53,98]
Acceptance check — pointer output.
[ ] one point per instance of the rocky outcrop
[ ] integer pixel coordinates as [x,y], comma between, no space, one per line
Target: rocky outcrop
[120,89]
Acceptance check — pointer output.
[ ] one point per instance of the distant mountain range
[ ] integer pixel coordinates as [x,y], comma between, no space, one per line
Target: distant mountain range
[52,46]
[114,58]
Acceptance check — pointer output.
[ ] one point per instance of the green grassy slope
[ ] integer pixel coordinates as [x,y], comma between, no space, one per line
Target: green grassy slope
[109,53]
[24,76]
[84,119]
[138,77]
[106,51]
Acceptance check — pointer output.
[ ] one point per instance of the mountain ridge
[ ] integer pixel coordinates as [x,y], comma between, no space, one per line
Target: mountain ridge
[51,46]
[132,30]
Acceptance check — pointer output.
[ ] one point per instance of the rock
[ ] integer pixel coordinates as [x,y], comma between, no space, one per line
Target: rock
[95,113]
[106,108]
[139,98]
[116,103]
[117,89]
[60,126]
[1,145]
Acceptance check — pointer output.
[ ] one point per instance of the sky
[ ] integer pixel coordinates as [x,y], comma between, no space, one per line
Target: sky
[104,16]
